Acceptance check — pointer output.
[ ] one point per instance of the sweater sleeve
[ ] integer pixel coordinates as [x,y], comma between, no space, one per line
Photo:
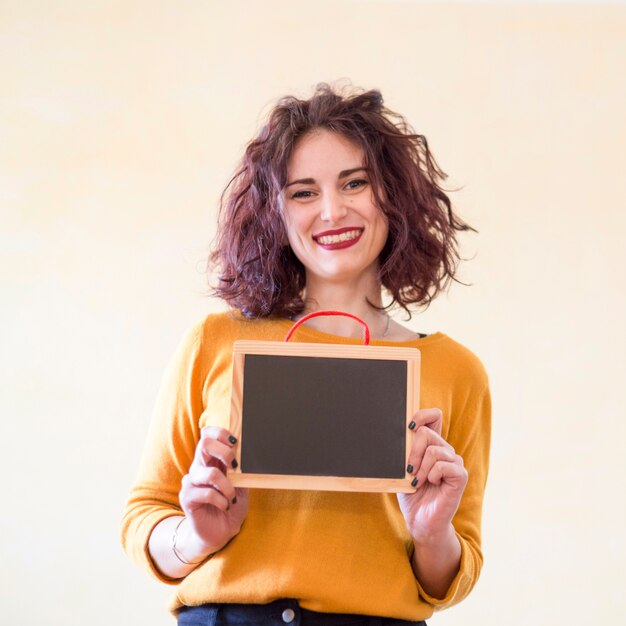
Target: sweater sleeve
[470,435]
[168,453]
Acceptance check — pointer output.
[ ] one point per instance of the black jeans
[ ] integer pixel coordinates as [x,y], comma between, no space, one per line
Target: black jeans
[279,613]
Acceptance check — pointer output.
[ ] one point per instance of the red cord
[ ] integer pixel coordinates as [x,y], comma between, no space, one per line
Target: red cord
[366,329]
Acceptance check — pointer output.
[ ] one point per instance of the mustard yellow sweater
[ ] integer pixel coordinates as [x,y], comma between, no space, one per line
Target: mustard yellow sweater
[332,551]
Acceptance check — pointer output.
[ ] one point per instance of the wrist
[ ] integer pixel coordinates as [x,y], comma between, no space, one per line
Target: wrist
[428,538]
[436,561]
[187,546]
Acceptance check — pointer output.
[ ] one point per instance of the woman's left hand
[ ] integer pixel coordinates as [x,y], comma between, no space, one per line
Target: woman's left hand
[441,479]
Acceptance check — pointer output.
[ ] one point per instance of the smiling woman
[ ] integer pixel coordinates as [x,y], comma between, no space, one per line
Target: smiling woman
[336,203]
[261,276]
[333,224]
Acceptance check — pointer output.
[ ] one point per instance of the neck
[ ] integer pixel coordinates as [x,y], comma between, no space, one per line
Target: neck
[350,299]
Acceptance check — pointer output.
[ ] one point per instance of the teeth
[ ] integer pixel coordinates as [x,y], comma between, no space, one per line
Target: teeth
[348,235]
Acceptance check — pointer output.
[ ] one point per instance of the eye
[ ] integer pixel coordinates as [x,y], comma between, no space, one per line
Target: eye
[357,183]
[303,193]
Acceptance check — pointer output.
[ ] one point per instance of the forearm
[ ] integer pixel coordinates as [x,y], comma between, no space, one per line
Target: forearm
[162,553]
[436,561]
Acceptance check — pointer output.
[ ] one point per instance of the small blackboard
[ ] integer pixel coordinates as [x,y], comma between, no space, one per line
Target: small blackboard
[323,416]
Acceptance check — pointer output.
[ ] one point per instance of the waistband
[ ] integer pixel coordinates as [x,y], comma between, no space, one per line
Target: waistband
[278,613]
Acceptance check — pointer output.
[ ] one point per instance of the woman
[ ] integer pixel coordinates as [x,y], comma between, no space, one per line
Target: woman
[335,200]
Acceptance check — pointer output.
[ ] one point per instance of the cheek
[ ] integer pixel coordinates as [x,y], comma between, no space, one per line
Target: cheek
[290,235]
[287,223]
[295,226]
[384,232]
[287,227]
[383,222]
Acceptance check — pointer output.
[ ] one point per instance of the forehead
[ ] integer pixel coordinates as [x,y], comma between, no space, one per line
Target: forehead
[324,152]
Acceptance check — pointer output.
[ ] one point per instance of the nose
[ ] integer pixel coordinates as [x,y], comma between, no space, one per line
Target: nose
[333,207]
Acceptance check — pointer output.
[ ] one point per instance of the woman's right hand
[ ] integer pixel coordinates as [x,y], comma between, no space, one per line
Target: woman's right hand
[214,509]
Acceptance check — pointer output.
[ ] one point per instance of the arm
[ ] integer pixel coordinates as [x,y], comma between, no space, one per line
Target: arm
[214,510]
[443,515]
[173,466]
[162,554]
[436,560]
[440,480]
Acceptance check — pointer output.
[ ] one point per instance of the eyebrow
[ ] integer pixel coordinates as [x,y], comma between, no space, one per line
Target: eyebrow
[342,174]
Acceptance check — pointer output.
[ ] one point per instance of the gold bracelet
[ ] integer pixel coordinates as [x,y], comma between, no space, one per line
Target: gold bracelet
[177,553]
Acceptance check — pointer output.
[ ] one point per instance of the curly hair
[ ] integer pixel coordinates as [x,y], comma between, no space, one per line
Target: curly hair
[258,272]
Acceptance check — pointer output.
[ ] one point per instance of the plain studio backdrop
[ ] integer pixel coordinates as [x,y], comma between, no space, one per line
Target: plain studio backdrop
[120,124]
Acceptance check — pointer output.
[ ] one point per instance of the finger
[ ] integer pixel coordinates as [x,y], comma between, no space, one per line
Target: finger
[221,434]
[209,450]
[202,476]
[432,418]
[192,498]
[445,471]
[424,437]
[433,455]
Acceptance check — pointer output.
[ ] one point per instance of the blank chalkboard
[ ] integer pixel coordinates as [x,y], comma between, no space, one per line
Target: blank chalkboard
[323,416]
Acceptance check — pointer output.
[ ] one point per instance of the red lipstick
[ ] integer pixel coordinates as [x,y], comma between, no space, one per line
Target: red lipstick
[333,240]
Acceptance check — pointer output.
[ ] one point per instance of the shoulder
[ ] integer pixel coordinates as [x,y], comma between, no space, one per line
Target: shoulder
[217,325]
[444,355]
[225,327]
[455,379]
[206,344]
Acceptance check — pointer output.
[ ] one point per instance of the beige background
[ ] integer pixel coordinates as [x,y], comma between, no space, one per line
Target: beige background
[120,122]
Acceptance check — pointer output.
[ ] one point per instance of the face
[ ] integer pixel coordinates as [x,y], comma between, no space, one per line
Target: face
[333,225]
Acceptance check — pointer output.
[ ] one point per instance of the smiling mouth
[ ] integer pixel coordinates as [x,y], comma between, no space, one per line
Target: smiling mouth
[330,238]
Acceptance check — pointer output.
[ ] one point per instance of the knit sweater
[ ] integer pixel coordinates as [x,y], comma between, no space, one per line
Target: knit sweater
[335,552]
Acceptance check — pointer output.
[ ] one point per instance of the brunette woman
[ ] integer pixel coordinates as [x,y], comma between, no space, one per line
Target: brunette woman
[337,204]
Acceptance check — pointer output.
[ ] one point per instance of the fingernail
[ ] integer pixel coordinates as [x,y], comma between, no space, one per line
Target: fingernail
[409,468]
[234,464]
[412,425]
[235,500]
[232,439]
[414,482]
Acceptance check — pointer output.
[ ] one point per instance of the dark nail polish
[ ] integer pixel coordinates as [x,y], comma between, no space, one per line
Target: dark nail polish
[414,482]
[412,425]
[409,468]
[234,464]
[235,500]
[232,439]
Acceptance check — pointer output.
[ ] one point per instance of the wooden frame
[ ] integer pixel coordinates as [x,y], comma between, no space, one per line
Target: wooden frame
[328,483]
